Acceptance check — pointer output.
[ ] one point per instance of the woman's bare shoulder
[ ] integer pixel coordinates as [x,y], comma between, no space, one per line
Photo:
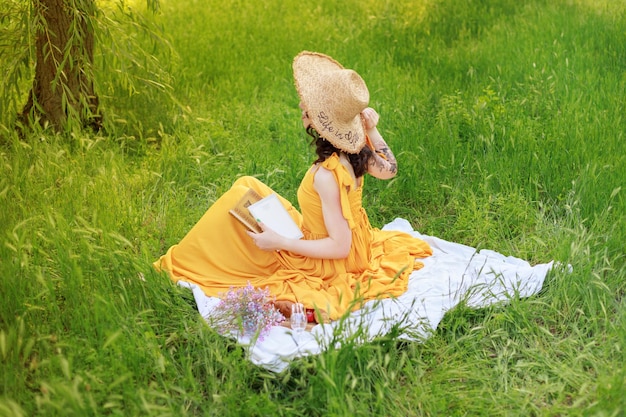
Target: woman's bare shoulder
[323,176]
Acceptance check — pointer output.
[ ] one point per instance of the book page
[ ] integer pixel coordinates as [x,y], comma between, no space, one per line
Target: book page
[274,215]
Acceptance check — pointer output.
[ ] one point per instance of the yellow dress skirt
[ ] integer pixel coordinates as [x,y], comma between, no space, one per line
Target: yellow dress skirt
[217,254]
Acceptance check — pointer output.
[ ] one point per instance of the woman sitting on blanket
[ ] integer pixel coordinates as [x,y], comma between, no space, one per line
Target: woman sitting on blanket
[342,260]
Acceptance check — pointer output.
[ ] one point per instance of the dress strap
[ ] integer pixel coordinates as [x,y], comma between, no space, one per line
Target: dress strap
[345,182]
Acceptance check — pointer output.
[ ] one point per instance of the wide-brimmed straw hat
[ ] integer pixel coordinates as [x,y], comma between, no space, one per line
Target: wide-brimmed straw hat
[333,97]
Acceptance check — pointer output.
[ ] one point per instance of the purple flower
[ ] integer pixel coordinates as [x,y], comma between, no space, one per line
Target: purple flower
[245,310]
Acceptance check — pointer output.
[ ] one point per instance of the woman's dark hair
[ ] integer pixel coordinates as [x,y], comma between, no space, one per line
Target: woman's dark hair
[324,149]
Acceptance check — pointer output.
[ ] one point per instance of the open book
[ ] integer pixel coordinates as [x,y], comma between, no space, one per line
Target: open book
[269,211]
[241,212]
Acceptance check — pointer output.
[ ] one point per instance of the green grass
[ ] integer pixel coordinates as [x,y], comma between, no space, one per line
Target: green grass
[507,118]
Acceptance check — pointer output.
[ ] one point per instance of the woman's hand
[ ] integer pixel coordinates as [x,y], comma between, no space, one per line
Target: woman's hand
[268,240]
[370,118]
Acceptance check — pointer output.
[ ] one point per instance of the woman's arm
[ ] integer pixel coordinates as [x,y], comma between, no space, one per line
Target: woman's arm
[335,246]
[383,164]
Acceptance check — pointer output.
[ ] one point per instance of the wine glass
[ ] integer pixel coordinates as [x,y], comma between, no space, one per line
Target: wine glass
[298,320]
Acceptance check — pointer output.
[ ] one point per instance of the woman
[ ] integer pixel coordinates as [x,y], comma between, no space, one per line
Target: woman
[341,261]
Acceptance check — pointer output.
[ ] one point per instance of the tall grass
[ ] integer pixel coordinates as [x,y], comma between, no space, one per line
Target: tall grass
[507,118]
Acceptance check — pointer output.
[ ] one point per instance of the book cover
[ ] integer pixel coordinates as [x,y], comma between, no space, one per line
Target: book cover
[274,215]
[241,212]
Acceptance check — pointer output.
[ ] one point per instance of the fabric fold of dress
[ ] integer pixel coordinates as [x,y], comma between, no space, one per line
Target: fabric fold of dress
[217,254]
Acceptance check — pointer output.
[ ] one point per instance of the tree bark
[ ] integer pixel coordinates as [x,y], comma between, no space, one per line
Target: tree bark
[63,87]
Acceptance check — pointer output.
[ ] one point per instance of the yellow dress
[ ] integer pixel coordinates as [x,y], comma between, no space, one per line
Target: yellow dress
[217,254]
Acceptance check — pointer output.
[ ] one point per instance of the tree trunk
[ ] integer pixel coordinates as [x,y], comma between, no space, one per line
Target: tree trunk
[63,88]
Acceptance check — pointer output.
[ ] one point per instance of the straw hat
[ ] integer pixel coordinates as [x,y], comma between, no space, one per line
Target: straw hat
[333,97]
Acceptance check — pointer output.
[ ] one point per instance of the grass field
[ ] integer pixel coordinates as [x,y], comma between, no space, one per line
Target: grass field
[508,120]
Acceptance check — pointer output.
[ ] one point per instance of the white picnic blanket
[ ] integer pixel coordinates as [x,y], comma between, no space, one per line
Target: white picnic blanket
[454,273]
